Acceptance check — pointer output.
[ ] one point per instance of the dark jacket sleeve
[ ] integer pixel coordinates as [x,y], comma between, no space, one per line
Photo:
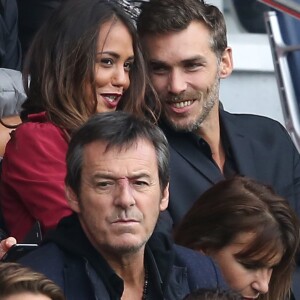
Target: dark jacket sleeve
[67,271]
[10,49]
[202,272]
[48,260]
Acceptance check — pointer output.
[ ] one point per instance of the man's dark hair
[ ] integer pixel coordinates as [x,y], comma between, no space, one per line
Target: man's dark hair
[163,16]
[117,129]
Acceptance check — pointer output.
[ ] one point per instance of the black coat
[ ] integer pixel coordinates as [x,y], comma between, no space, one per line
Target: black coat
[261,148]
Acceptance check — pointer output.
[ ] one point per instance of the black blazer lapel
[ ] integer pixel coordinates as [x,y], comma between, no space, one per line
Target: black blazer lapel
[240,145]
[187,148]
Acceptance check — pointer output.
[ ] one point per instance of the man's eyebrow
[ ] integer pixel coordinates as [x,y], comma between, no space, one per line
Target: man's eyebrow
[199,58]
[99,175]
[157,62]
[140,175]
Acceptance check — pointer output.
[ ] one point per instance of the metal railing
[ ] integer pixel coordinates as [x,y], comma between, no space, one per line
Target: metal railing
[288,98]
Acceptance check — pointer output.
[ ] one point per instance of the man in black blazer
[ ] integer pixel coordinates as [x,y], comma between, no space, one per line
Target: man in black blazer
[186,47]
[256,147]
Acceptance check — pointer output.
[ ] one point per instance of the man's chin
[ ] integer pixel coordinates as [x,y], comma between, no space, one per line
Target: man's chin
[127,249]
[182,126]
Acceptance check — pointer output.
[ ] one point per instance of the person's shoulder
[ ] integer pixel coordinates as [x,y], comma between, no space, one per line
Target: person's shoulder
[50,251]
[254,125]
[47,259]
[191,257]
[201,269]
[255,120]
[37,139]
[38,127]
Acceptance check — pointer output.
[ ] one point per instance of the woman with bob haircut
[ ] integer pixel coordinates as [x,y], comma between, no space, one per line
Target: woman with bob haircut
[21,283]
[250,231]
[84,60]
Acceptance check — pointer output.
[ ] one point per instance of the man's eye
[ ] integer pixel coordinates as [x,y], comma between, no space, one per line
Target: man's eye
[141,183]
[103,184]
[193,66]
[158,69]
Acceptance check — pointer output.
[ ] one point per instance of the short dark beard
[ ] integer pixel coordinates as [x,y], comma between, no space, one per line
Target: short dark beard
[211,100]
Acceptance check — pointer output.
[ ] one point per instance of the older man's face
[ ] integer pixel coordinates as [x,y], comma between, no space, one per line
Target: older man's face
[120,197]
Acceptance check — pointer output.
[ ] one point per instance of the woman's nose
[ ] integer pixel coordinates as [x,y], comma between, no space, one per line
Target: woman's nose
[261,281]
[121,77]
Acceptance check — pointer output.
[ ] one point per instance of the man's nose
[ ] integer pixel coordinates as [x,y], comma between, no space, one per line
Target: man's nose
[262,280]
[176,82]
[123,195]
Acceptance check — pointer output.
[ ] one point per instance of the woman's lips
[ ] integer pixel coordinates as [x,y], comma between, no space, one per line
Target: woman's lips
[111,100]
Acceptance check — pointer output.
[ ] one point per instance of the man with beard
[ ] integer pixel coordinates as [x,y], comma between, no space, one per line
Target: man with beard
[186,48]
[117,183]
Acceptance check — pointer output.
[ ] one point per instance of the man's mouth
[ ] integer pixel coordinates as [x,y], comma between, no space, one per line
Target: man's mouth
[182,104]
[125,222]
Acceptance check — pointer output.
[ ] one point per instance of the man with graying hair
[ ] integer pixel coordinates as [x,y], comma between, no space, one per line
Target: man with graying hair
[117,183]
[186,49]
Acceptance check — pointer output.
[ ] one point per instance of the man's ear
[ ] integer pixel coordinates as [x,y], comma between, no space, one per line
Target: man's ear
[226,64]
[164,202]
[72,199]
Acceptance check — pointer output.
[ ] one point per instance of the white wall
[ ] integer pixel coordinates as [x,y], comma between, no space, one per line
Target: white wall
[252,87]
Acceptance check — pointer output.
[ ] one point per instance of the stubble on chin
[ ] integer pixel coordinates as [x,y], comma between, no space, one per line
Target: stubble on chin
[189,123]
[125,250]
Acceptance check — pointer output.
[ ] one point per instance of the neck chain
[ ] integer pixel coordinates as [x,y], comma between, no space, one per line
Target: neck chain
[146,283]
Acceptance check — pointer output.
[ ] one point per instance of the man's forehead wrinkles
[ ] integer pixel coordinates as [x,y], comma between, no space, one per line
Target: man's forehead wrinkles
[105,160]
[128,175]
